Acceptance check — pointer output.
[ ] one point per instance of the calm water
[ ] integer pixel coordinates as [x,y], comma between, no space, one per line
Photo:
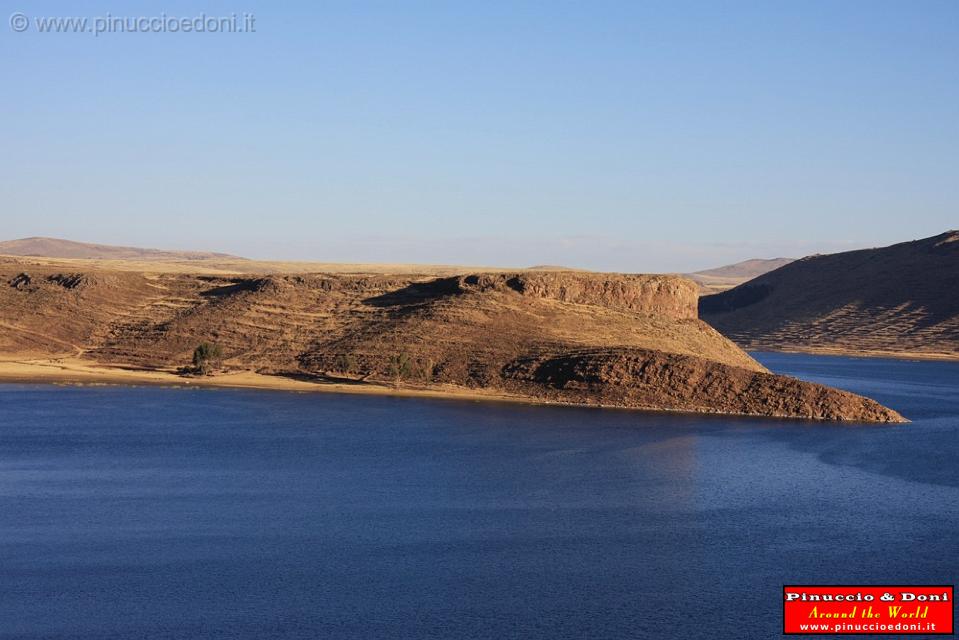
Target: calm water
[165,513]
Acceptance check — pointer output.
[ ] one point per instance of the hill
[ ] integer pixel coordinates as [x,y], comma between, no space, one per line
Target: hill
[896,300]
[731,275]
[56,248]
[560,337]
[67,255]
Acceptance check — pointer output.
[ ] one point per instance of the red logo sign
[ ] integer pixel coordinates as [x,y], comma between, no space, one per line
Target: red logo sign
[867,609]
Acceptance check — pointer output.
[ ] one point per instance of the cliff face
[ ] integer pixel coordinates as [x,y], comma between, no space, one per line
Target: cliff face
[898,299]
[666,296]
[610,339]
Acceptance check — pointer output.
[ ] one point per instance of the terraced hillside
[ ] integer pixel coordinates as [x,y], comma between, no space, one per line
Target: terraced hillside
[897,300]
[566,337]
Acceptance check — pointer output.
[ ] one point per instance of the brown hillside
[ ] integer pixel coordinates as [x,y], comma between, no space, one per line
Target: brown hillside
[902,299]
[568,337]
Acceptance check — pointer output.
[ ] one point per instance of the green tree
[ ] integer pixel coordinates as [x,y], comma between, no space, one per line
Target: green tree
[207,357]
[345,363]
[401,366]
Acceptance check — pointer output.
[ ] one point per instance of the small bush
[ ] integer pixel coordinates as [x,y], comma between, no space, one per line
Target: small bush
[429,368]
[345,363]
[404,367]
[401,366]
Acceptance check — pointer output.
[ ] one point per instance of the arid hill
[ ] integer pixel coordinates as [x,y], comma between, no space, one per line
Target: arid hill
[56,248]
[731,275]
[67,255]
[565,337]
[902,299]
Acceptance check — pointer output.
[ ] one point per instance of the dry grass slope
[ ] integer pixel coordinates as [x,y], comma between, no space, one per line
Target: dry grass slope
[897,300]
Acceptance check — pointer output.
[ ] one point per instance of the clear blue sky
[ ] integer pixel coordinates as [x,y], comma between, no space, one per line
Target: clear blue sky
[611,135]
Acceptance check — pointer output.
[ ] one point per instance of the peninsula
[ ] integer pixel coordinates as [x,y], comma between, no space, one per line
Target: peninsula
[558,337]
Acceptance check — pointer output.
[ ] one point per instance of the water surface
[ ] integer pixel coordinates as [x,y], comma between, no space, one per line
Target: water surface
[174,513]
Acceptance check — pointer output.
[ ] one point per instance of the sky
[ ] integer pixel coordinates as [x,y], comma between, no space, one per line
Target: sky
[623,136]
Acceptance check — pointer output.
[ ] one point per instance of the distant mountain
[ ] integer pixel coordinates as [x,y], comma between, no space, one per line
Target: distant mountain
[552,267]
[901,300]
[56,248]
[728,276]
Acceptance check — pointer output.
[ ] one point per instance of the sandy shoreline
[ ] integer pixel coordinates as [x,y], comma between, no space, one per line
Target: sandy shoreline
[848,353]
[80,372]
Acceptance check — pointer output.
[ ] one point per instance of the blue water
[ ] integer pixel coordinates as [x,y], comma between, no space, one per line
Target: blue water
[169,513]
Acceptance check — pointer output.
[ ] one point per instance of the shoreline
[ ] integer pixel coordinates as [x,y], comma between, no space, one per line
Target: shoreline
[77,372]
[848,353]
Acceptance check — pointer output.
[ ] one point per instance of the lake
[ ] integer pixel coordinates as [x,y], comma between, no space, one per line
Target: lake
[186,513]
